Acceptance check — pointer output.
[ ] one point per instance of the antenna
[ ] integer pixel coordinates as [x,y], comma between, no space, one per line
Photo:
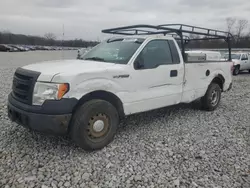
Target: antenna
[63,43]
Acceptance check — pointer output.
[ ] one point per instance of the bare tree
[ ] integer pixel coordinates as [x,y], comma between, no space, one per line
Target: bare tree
[230,24]
[241,26]
[50,36]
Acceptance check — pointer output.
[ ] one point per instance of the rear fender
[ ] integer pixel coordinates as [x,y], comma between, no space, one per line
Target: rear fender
[218,74]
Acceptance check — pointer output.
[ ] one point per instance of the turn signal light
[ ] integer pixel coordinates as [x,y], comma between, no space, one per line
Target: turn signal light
[62,90]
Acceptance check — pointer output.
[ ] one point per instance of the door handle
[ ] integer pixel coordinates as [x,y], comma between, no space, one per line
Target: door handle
[173,73]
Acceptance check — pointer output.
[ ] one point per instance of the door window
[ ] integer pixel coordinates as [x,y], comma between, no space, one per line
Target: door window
[156,53]
[244,57]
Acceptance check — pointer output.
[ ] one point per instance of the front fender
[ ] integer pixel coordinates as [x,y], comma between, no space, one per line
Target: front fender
[88,86]
[235,63]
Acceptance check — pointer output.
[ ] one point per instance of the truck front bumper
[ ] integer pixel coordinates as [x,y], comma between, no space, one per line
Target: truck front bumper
[52,117]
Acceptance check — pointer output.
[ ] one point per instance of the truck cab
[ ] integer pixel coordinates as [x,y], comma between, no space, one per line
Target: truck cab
[86,97]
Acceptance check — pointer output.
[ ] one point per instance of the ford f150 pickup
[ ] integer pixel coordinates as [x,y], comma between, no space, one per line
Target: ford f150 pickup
[87,97]
[241,62]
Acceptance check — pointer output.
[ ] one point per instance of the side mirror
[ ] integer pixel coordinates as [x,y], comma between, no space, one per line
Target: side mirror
[138,64]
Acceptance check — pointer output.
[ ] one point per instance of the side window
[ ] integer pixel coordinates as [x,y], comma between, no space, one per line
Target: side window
[246,57]
[154,54]
[243,57]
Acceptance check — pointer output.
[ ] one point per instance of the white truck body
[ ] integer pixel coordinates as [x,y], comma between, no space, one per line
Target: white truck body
[143,90]
[87,97]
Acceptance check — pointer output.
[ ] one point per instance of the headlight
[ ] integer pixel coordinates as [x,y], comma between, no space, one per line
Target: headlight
[48,91]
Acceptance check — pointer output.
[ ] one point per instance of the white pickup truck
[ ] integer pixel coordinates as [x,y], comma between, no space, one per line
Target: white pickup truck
[241,61]
[87,97]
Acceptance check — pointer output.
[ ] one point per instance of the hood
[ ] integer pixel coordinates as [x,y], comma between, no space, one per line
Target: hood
[49,69]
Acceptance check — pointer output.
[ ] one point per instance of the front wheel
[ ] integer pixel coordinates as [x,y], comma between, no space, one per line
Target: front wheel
[236,70]
[94,124]
[212,97]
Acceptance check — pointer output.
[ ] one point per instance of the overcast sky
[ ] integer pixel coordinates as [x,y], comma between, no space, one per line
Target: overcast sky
[85,18]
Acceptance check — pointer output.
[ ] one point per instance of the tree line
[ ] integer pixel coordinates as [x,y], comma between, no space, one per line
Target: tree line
[239,28]
[49,39]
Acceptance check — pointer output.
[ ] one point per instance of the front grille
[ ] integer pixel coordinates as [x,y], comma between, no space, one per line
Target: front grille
[23,85]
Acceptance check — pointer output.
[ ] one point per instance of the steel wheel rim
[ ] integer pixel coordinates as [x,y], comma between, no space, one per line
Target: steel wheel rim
[98,126]
[214,97]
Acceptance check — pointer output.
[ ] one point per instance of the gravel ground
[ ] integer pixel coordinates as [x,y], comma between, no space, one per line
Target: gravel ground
[171,147]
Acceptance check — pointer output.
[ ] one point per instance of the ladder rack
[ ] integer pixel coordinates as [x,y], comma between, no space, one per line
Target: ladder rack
[178,30]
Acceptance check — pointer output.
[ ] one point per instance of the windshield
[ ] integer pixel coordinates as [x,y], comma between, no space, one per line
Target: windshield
[234,56]
[114,51]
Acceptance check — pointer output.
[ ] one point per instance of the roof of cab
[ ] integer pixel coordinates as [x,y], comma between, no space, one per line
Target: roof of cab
[141,37]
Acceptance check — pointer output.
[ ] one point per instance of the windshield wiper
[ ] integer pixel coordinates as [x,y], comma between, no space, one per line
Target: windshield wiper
[95,59]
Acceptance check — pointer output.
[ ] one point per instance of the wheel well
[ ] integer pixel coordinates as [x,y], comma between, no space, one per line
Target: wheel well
[104,95]
[220,80]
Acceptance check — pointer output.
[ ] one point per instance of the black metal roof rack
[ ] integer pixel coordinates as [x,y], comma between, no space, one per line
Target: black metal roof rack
[178,31]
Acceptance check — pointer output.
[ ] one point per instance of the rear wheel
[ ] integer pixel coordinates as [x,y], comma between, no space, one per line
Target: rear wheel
[212,97]
[94,124]
[236,70]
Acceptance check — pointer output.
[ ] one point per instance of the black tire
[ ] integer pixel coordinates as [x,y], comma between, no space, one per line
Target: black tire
[236,70]
[211,99]
[82,126]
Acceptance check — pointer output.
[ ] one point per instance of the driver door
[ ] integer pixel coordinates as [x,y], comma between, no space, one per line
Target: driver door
[244,62]
[248,62]
[157,76]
